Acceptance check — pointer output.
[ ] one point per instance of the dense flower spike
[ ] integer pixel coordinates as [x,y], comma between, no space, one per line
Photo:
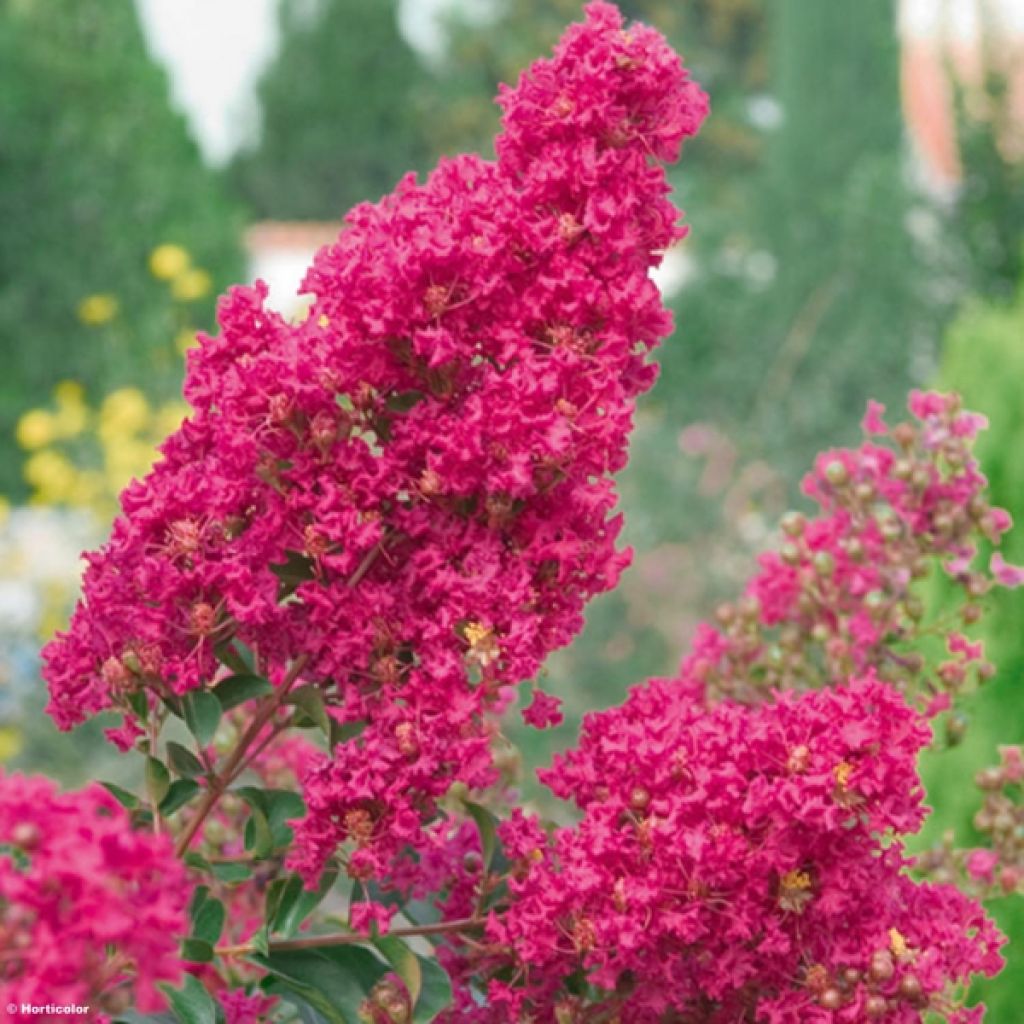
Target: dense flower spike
[412,488]
[733,863]
[91,912]
[843,593]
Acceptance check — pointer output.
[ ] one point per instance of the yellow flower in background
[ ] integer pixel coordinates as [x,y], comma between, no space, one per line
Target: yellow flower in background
[168,261]
[69,392]
[5,510]
[98,309]
[123,412]
[72,415]
[126,460]
[185,339]
[191,285]
[52,476]
[36,429]
[168,419]
[10,742]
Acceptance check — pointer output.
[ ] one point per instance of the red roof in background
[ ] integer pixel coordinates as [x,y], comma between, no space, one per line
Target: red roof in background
[307,235]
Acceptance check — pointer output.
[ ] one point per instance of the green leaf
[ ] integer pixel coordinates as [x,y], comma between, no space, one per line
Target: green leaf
[238,689]
[122,796]
[296,906]
[403,401]
[259,840]
[261,941]
[487,826]
[202,715]
[404,961]
[277,806]
[332,980]
[191,1004]
[158,780]
[196,951]
[231,873]
[310,700]
[272,902]
[196,861]
[436,994]
[199,897]
[181,791]
[208,922]
[295,569]
[183,761]
[229,656]
[139,703]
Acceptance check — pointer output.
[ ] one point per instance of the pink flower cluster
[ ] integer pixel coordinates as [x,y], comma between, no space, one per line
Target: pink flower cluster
[412,487]
[91,911]
[842,593]
[733,863]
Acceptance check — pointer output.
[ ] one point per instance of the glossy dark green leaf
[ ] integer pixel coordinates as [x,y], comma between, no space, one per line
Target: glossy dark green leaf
[278,806]
[258,838]
[310,700]
[231,872]
[122,796]
[196,951]
[208,921]
[181,791]
[202,712]
[239,688]
[334,981]
[404,961]
[293,911]
[436,994]
[231,657]
[197,861]
[295,569]
[183,761]
[139,703]
[158,780]
[487,826]
[191,1004]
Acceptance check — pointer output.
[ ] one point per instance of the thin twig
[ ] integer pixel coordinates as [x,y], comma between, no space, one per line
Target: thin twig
[238,760]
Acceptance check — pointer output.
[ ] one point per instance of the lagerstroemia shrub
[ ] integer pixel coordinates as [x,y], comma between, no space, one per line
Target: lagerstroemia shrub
[374,524]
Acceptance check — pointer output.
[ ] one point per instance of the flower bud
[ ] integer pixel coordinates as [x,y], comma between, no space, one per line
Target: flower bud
[793,524]
[882,968]
[836,473]
[830,999]
[910,987]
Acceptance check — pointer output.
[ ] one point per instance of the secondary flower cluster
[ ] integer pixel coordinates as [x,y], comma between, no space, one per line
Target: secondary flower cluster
[843,593]
[91,911]
[996,869]
[411,489]
[733,863]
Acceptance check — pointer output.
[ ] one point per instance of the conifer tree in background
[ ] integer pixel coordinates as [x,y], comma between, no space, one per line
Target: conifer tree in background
[825,286]
[96,170]
[339,120]
[722,40]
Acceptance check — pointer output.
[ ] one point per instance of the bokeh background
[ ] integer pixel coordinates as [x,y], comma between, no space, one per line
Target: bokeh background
[857,206]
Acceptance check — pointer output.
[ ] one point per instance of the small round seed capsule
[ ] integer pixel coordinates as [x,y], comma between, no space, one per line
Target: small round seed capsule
[910,986]
[831,999]
[882,967]
[875,1006]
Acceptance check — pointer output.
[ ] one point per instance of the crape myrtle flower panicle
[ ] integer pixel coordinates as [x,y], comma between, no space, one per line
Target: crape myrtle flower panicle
[412,488]
[843,593]
[733,863]
[91,911]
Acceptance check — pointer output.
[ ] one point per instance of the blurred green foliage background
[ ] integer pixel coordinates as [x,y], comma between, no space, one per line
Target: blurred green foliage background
[819,273]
